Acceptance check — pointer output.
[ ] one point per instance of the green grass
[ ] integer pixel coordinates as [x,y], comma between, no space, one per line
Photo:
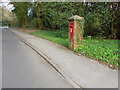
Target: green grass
[103,50]
[106,51]
[54,36]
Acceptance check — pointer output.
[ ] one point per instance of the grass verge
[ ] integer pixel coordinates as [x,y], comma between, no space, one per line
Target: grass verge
[104,51]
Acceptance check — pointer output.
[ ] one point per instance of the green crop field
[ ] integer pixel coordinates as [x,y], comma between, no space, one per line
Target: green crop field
[102,50]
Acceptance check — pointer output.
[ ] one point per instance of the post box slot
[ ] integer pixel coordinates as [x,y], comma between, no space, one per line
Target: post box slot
[71,32]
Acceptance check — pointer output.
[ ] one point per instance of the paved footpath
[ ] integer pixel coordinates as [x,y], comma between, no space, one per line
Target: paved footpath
[22,67]
[79,70]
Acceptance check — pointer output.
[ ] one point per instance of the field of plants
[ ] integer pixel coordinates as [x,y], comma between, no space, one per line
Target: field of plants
[104,51]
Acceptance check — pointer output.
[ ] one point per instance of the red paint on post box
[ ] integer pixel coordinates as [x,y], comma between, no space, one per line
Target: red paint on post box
[71,30]
[71,24]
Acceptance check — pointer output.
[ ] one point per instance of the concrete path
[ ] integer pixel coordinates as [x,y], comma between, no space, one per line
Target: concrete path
[22,67]
[0,58]
[79,70]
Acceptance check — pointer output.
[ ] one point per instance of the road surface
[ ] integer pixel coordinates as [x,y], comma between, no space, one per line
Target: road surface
[24,68]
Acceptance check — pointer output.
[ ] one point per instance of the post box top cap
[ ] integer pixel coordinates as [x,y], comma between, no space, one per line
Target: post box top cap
[75,17]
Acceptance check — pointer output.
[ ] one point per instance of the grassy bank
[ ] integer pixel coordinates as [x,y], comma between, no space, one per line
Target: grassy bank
[103,50]
[54,36]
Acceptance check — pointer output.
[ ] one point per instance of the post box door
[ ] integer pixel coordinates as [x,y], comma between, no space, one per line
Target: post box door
[71,30]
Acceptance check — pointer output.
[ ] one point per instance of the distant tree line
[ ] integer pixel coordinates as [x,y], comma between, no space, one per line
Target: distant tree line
[101,18]
[6,17]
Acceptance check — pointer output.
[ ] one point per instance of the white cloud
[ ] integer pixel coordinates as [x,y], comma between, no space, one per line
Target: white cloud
[5,3]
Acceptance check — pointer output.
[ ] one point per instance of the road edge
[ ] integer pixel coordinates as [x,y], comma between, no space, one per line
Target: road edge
[50,62]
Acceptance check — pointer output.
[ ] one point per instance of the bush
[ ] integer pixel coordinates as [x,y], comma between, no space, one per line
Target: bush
[32,24]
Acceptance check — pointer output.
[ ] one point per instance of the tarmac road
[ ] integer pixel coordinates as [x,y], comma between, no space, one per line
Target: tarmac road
[24,68]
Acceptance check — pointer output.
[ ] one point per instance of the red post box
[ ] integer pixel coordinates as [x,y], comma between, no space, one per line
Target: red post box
[75,31]
[71,30]
[71,34]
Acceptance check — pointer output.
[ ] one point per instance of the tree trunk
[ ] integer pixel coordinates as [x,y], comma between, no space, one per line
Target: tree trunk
[112,28]
[39,21]
[26,18]
[25,14]
[112,24]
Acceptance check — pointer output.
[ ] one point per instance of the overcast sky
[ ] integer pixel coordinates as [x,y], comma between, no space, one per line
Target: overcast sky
[5,3]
